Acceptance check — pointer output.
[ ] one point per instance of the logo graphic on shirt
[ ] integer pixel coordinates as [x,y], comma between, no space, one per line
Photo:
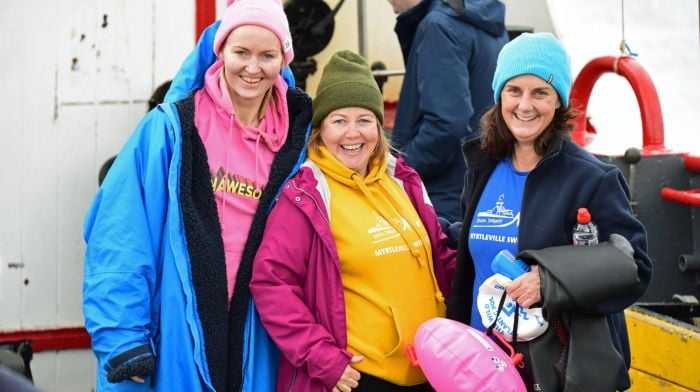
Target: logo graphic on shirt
[498,216]
[235,184]
[382,231]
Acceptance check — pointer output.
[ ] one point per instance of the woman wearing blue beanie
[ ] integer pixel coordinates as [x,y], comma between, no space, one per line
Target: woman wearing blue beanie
[525,182]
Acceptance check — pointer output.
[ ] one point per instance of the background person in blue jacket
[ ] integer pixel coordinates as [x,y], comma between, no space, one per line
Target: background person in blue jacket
[525,182]
[164,309]
[449,49]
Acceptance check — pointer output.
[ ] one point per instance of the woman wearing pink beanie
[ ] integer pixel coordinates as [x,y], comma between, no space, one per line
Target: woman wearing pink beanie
[172,232]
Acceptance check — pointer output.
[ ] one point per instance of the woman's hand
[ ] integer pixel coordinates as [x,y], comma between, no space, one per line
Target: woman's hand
[525,290]
[350,377]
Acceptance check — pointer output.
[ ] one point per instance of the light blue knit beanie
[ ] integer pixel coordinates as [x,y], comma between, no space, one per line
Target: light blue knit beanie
[539,54]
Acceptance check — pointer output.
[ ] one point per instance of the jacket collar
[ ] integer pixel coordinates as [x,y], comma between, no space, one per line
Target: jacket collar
[474,156]
[407,25]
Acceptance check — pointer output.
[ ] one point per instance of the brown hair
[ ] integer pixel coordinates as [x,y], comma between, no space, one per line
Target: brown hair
[498,141]
[380,150]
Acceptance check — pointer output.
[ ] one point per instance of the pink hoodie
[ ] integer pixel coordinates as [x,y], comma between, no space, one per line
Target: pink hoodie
[239,157]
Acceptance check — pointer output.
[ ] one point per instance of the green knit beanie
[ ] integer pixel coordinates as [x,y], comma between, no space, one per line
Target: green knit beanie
[347,82]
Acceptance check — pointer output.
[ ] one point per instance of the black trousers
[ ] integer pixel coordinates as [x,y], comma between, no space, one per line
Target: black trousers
[373,384]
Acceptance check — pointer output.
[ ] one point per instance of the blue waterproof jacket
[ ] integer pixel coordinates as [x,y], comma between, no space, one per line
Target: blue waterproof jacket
[450,50]
[154,279]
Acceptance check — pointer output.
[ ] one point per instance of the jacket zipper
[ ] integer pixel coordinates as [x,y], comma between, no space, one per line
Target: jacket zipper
[525,188]
[312,199]
[325,219]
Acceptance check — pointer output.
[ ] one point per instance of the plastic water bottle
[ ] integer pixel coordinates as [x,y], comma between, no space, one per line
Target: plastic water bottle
[585,231]
[506,264]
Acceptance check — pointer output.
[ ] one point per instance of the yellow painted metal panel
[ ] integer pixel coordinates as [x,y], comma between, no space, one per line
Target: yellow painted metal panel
[664,348]
[644,382]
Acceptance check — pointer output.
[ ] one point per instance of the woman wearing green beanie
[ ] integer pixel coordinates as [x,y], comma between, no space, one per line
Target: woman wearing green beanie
[524,185]
[353,258]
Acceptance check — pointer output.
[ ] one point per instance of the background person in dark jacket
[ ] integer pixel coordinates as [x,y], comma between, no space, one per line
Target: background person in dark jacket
[450,49]
[525,181]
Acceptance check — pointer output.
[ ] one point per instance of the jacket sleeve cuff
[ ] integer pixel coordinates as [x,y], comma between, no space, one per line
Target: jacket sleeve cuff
[451,230]
[138,361]
[330,365]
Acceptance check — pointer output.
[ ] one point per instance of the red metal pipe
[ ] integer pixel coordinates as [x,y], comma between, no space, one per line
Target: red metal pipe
[690,197]
[644,90]
[205,14]
[50,339]
[692,163]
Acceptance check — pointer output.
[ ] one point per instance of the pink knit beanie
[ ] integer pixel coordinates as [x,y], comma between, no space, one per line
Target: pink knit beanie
[264,13]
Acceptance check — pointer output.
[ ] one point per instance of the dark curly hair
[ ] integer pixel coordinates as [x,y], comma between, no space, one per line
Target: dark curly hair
[498,141]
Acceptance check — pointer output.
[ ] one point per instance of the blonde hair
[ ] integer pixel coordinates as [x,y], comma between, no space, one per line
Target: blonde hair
[265,102]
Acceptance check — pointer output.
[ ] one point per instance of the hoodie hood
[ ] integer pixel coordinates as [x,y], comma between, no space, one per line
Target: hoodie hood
[240,158]
[376,188]
[487,15]
[273,127]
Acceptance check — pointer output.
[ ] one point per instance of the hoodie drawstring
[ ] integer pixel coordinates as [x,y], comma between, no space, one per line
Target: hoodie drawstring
[226,172]
[359,181]
[257,161]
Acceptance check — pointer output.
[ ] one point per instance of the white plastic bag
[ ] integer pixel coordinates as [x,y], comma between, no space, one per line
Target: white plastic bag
[531,324]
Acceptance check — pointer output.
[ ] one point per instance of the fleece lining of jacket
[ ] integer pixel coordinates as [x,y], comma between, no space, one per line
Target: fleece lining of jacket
[223,333]
[204,243]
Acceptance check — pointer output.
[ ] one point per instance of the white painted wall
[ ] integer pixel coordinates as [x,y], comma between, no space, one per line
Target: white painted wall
[74,85]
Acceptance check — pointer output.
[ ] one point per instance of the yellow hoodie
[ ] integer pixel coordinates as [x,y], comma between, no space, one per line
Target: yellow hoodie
[386,265]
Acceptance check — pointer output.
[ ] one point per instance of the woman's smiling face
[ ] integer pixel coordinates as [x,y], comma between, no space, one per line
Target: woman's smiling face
[351,135]
[252,59]
[528,104]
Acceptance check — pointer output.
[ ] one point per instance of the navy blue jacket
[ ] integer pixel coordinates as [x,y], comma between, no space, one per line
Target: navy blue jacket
[450,58]
[564,180]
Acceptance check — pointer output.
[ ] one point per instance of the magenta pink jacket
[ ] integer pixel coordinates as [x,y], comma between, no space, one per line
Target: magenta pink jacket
[296,283]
